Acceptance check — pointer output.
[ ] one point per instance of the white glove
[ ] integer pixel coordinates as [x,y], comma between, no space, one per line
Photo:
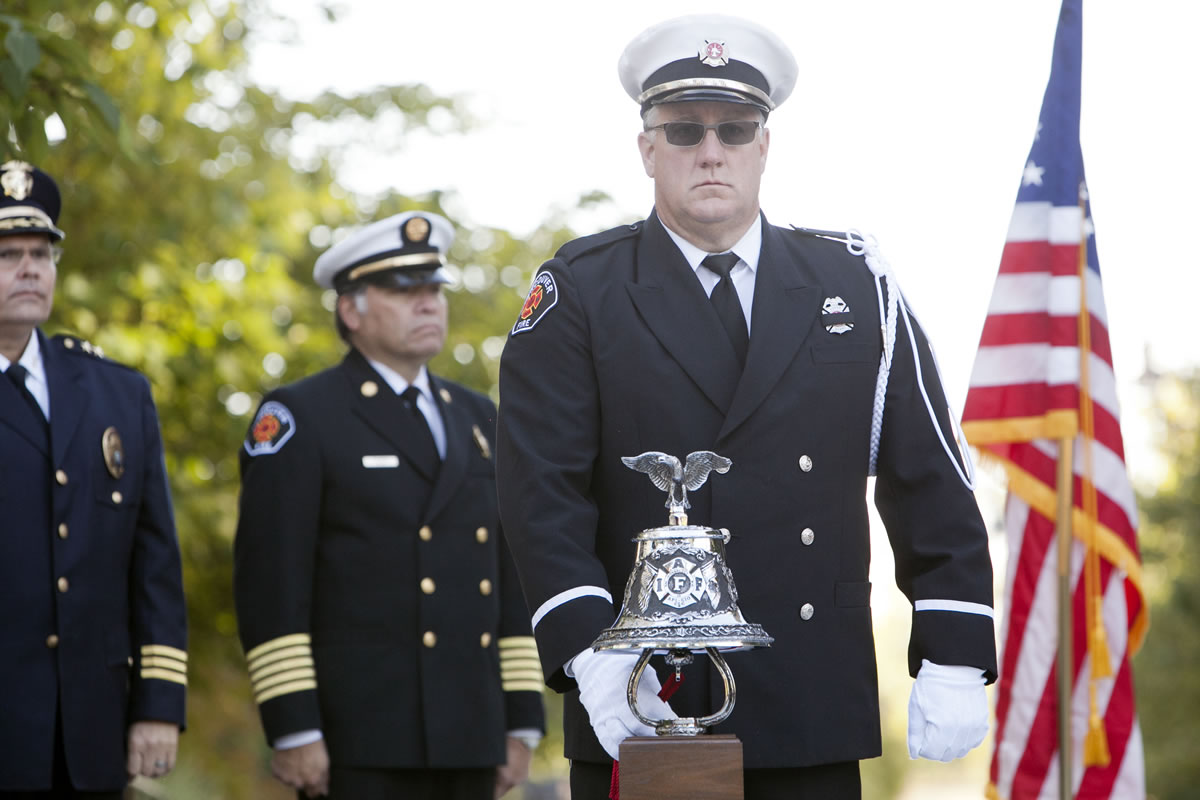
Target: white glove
[603,678]
[947,712]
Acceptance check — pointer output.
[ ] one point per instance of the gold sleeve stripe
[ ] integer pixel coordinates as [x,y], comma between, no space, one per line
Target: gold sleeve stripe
[532,671]
[284,677]
[522,686]
[163,650]
[287,688]
[299,651]
[507,642]
[165,663]
[166,675]
[275,644]
[279,666]
[519,658]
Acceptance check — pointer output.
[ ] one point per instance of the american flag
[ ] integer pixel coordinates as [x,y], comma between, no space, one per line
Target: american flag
[1043,375]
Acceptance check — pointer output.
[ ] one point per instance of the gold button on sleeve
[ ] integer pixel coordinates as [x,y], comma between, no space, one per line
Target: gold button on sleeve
[485,587]
[62,531]
[63,585]
[426,533]
[427,585]
[429,639]
[485,639]
[61,477]
[52,641]
[481,535]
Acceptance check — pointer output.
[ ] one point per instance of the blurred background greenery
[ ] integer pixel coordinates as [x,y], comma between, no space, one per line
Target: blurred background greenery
[193,215]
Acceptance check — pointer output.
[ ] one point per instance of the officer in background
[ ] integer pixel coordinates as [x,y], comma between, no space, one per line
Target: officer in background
[706,328]
[93,667]
[388,643]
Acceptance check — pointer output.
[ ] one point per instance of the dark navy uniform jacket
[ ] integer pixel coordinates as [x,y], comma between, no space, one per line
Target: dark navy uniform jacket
[93,622]
[620,352]
[374,603]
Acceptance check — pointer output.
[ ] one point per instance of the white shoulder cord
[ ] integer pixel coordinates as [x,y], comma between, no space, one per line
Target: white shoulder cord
[860,245]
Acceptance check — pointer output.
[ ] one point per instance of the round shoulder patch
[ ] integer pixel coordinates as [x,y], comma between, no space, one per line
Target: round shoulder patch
[272,427]
[543,296]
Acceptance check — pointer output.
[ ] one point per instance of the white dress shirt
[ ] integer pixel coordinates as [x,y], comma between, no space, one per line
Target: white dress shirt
[35,380]
[743,273]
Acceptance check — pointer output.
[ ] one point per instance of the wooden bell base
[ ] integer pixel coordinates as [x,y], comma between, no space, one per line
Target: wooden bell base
[681,768]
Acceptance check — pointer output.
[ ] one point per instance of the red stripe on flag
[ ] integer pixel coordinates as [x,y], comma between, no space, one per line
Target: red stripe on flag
[1000,330]
[1035,544]
[1027,257]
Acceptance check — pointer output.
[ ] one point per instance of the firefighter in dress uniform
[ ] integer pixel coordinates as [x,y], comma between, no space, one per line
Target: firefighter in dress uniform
[790,352]
[93,661]
[388,642]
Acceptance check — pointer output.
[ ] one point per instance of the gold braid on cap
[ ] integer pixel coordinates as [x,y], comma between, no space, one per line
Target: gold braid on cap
[411,260]
[706,83]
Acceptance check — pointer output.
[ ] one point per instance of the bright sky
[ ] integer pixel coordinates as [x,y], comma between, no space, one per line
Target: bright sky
[911,121]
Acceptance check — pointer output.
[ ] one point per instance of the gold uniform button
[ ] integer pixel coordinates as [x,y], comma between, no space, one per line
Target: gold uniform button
[485,640]
[63,585]
[62,531]
[481,535]
[61,477]
[117,498]
[429,639]
[52,641]
[427,585]
[485,587]
[369,388]
[69,343]
[426,533]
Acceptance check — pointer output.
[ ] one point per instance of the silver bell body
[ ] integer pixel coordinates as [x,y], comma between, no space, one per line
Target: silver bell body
[681,596]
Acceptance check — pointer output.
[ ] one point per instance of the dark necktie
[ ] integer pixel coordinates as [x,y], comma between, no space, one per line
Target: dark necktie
[725,300]
[16,373]
[426,451]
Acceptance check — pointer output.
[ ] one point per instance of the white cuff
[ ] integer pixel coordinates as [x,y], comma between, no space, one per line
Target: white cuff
[298,739]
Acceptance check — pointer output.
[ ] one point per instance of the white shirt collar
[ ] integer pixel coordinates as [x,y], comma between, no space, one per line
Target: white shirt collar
[399,383]
[30,359]
[747,248]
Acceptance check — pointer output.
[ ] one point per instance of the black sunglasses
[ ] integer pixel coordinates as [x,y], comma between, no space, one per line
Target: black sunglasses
[690,134]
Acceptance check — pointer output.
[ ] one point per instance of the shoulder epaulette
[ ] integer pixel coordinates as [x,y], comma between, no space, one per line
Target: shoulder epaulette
[82,347]
[76,345]
[844,237]
[585,244]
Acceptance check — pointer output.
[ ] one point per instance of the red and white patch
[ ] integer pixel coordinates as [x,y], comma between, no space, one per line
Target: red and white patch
[543,296]
[714,54]
[272,427]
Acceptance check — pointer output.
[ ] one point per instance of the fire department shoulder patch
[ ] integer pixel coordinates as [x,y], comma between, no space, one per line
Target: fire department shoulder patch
[543,296]
[272,427]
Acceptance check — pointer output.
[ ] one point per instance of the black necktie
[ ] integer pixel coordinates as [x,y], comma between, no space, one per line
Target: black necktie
[725,300]
[427,449]
[16,373]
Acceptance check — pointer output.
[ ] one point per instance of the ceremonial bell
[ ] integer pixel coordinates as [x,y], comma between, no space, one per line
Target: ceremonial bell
[680,598]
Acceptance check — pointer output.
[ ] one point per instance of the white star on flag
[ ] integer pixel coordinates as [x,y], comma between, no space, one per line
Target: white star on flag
[1033,175]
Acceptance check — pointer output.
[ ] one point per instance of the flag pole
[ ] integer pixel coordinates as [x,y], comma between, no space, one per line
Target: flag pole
[1065,631]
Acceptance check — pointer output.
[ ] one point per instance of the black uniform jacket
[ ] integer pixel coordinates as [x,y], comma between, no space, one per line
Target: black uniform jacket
[625,354]
[94,624]
[375,604]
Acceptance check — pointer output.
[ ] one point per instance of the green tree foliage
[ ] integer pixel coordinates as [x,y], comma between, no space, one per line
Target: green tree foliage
[1168,689]
[194,205]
